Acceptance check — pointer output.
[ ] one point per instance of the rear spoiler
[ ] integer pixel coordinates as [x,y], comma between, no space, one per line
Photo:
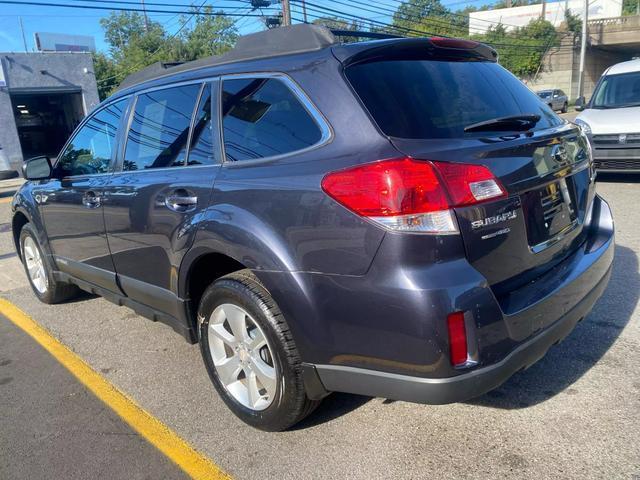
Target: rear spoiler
[436,48]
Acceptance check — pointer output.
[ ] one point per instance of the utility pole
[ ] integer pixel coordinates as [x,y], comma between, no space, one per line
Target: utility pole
[24,39]
[286,13]
[304,11]
[544,9]
[509,4]
[146,19]
[583,48]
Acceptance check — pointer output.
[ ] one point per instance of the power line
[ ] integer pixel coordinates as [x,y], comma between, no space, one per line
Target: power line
[125,9]
[400,29]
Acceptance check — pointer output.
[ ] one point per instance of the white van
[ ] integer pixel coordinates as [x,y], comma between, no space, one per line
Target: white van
[611,119]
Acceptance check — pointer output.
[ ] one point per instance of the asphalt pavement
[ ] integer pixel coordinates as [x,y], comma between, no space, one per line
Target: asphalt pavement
[574,414]
[53,427]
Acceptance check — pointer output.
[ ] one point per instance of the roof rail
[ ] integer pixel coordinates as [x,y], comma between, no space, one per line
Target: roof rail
[361,34]
[269,43]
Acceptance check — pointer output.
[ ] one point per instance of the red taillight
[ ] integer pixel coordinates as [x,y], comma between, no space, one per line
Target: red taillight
[469,184]
[457,338]
[387,188]
[411,195]
[453,42]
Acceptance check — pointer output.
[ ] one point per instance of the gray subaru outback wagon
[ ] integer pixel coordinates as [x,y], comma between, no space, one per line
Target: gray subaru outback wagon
[398,218]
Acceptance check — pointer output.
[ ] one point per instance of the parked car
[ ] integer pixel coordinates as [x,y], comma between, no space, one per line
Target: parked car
[6,171]
[320,219]
[611,119]
[556,99]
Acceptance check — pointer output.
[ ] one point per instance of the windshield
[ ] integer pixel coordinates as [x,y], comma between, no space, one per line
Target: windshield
[616,91]
[545,94]
[423,99]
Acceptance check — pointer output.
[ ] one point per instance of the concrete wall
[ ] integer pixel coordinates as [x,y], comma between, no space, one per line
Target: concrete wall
[46,72]
[561,67]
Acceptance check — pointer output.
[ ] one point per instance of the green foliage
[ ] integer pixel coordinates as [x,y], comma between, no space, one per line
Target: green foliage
[522,50]
[133,46]
[630,7]
[573,22]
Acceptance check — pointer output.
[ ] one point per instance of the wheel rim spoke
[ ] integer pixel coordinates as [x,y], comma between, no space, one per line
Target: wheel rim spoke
[237,319]
[253,390]
[257,341]
[220,332]
[229,369]
[265,373]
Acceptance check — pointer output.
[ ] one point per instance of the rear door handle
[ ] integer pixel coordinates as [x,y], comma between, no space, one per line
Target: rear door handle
[91,200]
[181,201]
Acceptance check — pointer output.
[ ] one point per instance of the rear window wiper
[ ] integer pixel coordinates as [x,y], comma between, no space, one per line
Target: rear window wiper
[514,122]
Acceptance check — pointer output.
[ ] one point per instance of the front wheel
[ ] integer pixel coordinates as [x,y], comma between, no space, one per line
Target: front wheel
[250,355]
[565,107]
[39,271]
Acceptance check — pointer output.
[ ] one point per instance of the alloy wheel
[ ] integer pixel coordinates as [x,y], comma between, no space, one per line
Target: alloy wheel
[242,357]
[35,265]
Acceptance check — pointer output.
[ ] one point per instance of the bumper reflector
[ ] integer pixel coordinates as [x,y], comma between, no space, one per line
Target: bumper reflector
[457,338]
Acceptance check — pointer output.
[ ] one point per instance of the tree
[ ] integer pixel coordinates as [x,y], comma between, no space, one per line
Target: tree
[630,7]
[106,75]
[522,50]
[134,45]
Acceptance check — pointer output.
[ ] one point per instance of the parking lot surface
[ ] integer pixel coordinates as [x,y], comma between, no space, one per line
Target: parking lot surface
[574,414]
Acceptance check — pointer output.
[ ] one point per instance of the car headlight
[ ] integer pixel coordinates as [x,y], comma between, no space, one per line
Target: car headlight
[586,128]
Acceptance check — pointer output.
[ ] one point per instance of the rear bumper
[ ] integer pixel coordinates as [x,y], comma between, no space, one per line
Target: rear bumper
[576,287]
[462,387]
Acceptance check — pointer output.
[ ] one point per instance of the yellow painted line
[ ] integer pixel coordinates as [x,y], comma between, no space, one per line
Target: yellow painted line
[193,463]
[6,199]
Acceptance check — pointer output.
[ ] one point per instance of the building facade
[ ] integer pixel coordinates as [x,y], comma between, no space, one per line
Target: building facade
[43,97]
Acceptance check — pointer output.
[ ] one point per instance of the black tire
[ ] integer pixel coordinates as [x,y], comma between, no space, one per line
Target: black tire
[290,404]
[56,291]
[565,107]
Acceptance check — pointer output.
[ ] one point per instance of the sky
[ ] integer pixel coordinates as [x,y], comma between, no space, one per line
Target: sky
[87,22]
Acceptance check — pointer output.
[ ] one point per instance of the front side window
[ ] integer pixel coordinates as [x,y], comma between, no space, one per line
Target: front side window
[91,150]
[160,128]
[262,117]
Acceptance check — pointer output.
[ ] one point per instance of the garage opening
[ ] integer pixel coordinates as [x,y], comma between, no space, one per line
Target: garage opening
[45,120]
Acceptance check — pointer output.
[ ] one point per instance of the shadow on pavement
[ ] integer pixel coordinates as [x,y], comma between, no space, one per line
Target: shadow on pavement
[565,363]
[332,407]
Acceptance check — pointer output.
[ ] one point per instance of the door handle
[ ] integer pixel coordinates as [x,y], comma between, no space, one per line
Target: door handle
[91,200]
[181,201]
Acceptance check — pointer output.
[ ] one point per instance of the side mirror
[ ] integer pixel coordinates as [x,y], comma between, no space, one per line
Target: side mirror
[37,168]
[580,104]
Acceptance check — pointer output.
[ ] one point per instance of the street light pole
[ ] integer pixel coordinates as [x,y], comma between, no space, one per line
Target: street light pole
[286,13]
[583,48]
[146,19]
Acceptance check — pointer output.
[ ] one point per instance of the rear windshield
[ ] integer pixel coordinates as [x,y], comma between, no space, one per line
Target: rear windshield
[438,99]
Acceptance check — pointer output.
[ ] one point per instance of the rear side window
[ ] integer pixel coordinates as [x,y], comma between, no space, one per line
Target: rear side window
[160,128]
[91,149]
[423,99]
[262,117]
